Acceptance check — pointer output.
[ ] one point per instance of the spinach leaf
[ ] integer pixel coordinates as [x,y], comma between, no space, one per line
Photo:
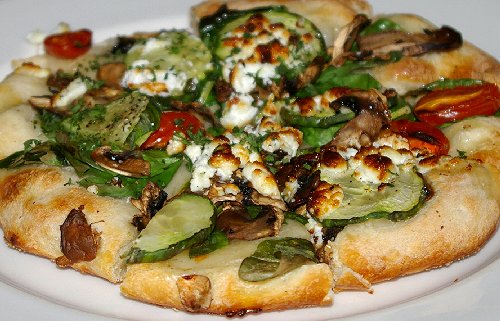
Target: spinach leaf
[296,217]
[216,240]
[347,75]
[315,137]
[276,257]
[35,152]
[343,76]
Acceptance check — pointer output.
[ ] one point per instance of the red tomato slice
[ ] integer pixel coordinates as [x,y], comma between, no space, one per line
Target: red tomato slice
[172,122]
[68,45]
[422,136]
[446,105]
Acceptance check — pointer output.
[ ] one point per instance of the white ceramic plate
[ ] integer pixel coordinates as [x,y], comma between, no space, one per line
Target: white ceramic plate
[32,288]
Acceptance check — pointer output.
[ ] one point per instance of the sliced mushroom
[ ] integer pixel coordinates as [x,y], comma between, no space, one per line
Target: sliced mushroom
[126,163]
[259,199]
[44,102]
[202,112]
[346,38]
[222,192]
[194,292]
[372,116]
[311,73]
[235,221]
[150,202]
[78,241]
[382,44]
[101,96]
[112,74]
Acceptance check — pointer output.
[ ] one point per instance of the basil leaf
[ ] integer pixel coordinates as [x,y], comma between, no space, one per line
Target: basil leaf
[276,257]
[216,240]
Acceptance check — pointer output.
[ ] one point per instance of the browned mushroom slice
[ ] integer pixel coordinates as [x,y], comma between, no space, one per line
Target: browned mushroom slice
[126,163]
[346,38]
[362,130]
[111,74]
[381,44]
[150,202]
[200,111]
[309,74]
[236,222]
[101,96]
[41,102]
[78,241]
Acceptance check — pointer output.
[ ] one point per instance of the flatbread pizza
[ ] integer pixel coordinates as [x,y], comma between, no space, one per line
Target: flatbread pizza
[256,162]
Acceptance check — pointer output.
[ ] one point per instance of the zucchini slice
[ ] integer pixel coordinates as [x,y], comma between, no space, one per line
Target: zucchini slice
[184,221]
[286,39]
[360,200]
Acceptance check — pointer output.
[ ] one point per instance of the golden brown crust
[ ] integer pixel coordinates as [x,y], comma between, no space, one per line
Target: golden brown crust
[35,201]
[220,289]
[439,234]
[412,72]
[328,15]
[156,283]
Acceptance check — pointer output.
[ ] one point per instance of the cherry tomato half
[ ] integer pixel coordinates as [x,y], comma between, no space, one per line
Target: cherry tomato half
[172,122]
[446,105]
[422,136]
[68,45]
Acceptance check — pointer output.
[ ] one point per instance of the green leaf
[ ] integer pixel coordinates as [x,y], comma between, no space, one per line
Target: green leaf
[253,211]
[110,124]
[339,77]
[380,25]
[215,241]
[447,83]
[276,257]
[292,118]
[315,137]
[35,152]
[394,216]
[296,217]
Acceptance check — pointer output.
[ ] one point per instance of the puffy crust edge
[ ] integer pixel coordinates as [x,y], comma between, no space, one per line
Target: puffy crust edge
[35,201]
[455,223]
[158,283]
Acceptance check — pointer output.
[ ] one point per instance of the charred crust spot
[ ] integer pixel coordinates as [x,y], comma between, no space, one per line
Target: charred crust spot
[13,239]
[242,312]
